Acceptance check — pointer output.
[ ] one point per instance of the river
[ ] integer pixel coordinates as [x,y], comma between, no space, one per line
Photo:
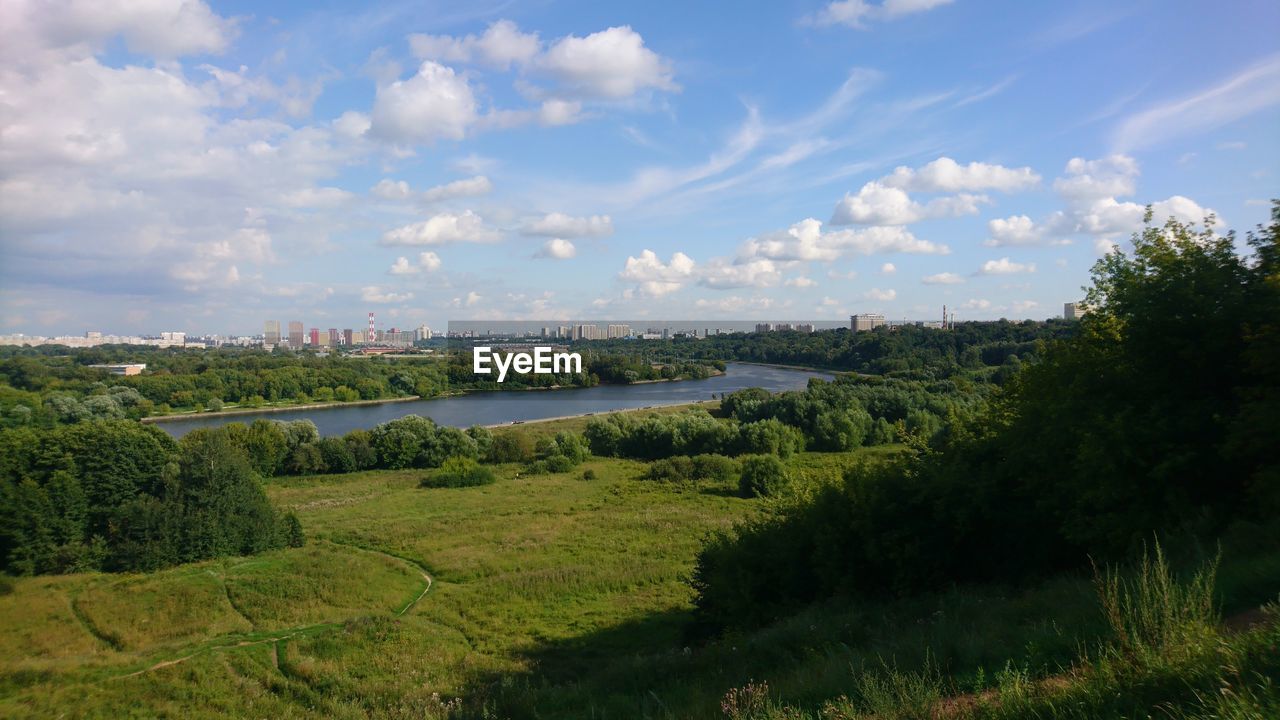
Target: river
[496,408]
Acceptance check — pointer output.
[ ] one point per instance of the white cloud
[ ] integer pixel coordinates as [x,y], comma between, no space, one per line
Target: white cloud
[944,278]
[434,104]
[557,249]
[1004,266]
[164,30]
[610,64]
[879,204]
[1023,306]
[946,175]
[558,224]
[559,112]
[880,295]
[391,189]
[442,229]
[857,13]
[801,282]
[1249,91]
[653,278]
[757,272]
[427,261]
[501,45]
[807,242]
[976,304]
[470,187]
[1013,230]
[375,294]
[1115,175]
[888,269]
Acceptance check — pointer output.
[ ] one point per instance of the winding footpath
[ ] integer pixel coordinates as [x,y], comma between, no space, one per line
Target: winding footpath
[286,635]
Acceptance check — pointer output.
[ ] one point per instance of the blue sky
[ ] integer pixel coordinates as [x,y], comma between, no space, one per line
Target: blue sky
[205,167]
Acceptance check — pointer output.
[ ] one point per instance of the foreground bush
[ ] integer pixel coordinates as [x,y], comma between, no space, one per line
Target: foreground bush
[459,472]
[697,469]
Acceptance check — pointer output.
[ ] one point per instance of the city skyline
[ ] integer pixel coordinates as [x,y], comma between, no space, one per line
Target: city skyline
[209,165]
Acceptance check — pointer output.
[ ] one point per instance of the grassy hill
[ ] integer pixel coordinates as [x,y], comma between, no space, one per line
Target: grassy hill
[549,596]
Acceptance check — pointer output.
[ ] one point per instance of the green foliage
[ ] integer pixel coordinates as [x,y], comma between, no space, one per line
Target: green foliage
[510,446]
[762,476]
[459,472]
[1092,449]
[696,469]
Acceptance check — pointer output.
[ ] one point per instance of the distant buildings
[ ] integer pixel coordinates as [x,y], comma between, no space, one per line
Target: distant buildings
[865,322]
[1073,311]
[271,333]
[295,334]
[127,369]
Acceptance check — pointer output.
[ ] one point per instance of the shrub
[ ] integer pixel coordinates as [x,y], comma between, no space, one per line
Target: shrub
[672,469]
[306,460]
[559,464]
[291,527]
[214,405]
[459,472]
[762,476]
[713,468]
[510,446]
[589,474]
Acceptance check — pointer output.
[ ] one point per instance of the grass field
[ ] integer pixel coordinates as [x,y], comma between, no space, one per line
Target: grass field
[550,596]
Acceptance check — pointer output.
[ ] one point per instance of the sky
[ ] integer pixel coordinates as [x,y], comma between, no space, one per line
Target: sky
[206,166]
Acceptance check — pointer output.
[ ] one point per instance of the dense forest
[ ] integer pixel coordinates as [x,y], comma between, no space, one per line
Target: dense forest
[1160,416]
[975,349]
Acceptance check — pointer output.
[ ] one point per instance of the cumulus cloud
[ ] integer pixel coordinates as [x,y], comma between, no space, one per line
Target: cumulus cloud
[375,294]
[436,103]
[888,269]
[858,13]
[500,46]
[757,272]
[470,187]
[558,224]
[557,249]
[879,204]
[442,229]
[427,262]
[1085,180]
[943,278]
[976,304]
[1013,230]
[1004,266]
[801,282]
[880,295]
[806,241]
[610,64]
[946,175]
[160,29]
[654,278]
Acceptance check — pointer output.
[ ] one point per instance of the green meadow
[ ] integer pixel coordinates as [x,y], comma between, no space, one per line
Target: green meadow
[537,596]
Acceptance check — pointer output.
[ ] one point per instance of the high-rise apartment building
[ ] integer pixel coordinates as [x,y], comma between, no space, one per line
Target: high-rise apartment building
[315,337]
[335,339]
[865,322]
[271,333]
[1073,311]
[617,331]
[348,337]
[295,334]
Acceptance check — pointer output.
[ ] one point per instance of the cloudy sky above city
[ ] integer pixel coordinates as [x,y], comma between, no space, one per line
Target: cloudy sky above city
[206,166]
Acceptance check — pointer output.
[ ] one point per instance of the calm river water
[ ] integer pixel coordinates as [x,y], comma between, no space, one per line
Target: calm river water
[495,408]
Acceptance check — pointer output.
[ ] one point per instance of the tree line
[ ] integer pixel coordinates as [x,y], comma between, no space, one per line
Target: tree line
[1160,415]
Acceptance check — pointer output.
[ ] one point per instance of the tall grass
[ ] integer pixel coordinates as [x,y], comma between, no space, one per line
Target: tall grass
[1152,613]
